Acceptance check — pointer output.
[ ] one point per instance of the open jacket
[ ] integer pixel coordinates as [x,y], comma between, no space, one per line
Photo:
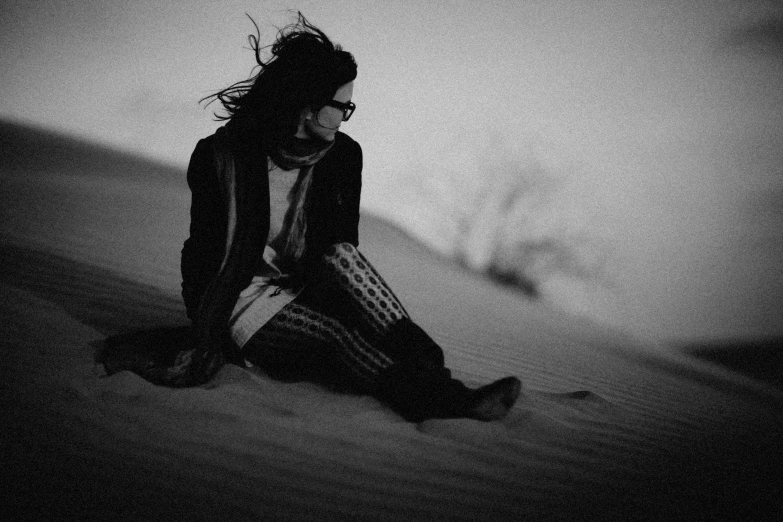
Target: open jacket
[229,226]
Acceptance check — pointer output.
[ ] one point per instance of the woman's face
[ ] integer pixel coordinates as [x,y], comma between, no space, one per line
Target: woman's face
[325,122]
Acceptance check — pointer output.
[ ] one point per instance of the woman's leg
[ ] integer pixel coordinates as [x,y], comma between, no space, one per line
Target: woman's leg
[337,322]
[350,331]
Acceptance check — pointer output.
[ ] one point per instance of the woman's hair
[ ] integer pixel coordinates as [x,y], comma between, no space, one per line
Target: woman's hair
[304,71]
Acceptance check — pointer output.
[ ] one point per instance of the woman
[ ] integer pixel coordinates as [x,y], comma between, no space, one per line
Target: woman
[271,274]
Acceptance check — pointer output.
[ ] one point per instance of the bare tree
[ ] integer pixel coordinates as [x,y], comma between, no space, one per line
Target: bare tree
[511,221]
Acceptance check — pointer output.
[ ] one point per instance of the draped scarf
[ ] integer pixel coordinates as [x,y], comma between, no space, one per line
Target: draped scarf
[303,154]
[300,152]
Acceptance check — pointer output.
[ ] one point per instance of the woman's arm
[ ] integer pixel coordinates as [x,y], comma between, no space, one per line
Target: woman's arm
[349,196]
[203,251]
[336,195]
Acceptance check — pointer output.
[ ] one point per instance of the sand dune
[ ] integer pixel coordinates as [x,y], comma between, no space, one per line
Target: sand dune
[609,427]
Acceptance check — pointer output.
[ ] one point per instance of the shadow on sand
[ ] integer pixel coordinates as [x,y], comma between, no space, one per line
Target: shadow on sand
[761,359]
[140,322]
[94,296]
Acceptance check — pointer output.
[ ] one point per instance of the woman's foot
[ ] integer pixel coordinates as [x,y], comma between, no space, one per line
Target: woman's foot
[493,401]
[418,391]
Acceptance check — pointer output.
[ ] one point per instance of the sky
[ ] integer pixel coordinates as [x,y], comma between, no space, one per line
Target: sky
[658,123]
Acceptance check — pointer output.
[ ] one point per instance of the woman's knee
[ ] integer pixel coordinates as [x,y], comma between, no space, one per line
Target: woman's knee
[344,257]
[344,249]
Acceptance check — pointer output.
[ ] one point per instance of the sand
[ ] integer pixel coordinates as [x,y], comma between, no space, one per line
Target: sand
[608,427]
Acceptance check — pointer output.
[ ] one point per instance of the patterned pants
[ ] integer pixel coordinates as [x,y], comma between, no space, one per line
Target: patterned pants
[336,331]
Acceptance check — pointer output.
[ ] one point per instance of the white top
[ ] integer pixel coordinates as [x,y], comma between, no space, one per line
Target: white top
[260,301]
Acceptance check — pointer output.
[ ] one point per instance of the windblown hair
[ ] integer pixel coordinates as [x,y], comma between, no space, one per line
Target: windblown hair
[304,71]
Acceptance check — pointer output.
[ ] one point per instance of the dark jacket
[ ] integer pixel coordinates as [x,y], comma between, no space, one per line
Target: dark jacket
[333,212]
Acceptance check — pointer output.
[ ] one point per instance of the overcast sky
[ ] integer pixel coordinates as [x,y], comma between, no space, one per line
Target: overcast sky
[665,118]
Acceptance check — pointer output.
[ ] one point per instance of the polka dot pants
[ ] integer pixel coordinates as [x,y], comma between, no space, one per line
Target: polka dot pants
[332,332]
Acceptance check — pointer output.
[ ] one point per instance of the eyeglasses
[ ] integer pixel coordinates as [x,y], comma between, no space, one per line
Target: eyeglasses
[347,108]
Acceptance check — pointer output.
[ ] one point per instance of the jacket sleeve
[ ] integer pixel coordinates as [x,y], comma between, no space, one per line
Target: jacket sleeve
[335,206]
[349,197]
[203,251]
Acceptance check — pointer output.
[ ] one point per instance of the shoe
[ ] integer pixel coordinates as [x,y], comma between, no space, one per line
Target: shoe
[493,401]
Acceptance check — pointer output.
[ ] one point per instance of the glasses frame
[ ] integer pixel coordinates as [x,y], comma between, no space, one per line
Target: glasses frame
[347,108]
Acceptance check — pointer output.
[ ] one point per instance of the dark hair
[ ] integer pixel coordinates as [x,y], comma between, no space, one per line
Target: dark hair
[304,71]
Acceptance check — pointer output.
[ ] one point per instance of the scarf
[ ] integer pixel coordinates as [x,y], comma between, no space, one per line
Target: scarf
[303,154]
[300,152]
